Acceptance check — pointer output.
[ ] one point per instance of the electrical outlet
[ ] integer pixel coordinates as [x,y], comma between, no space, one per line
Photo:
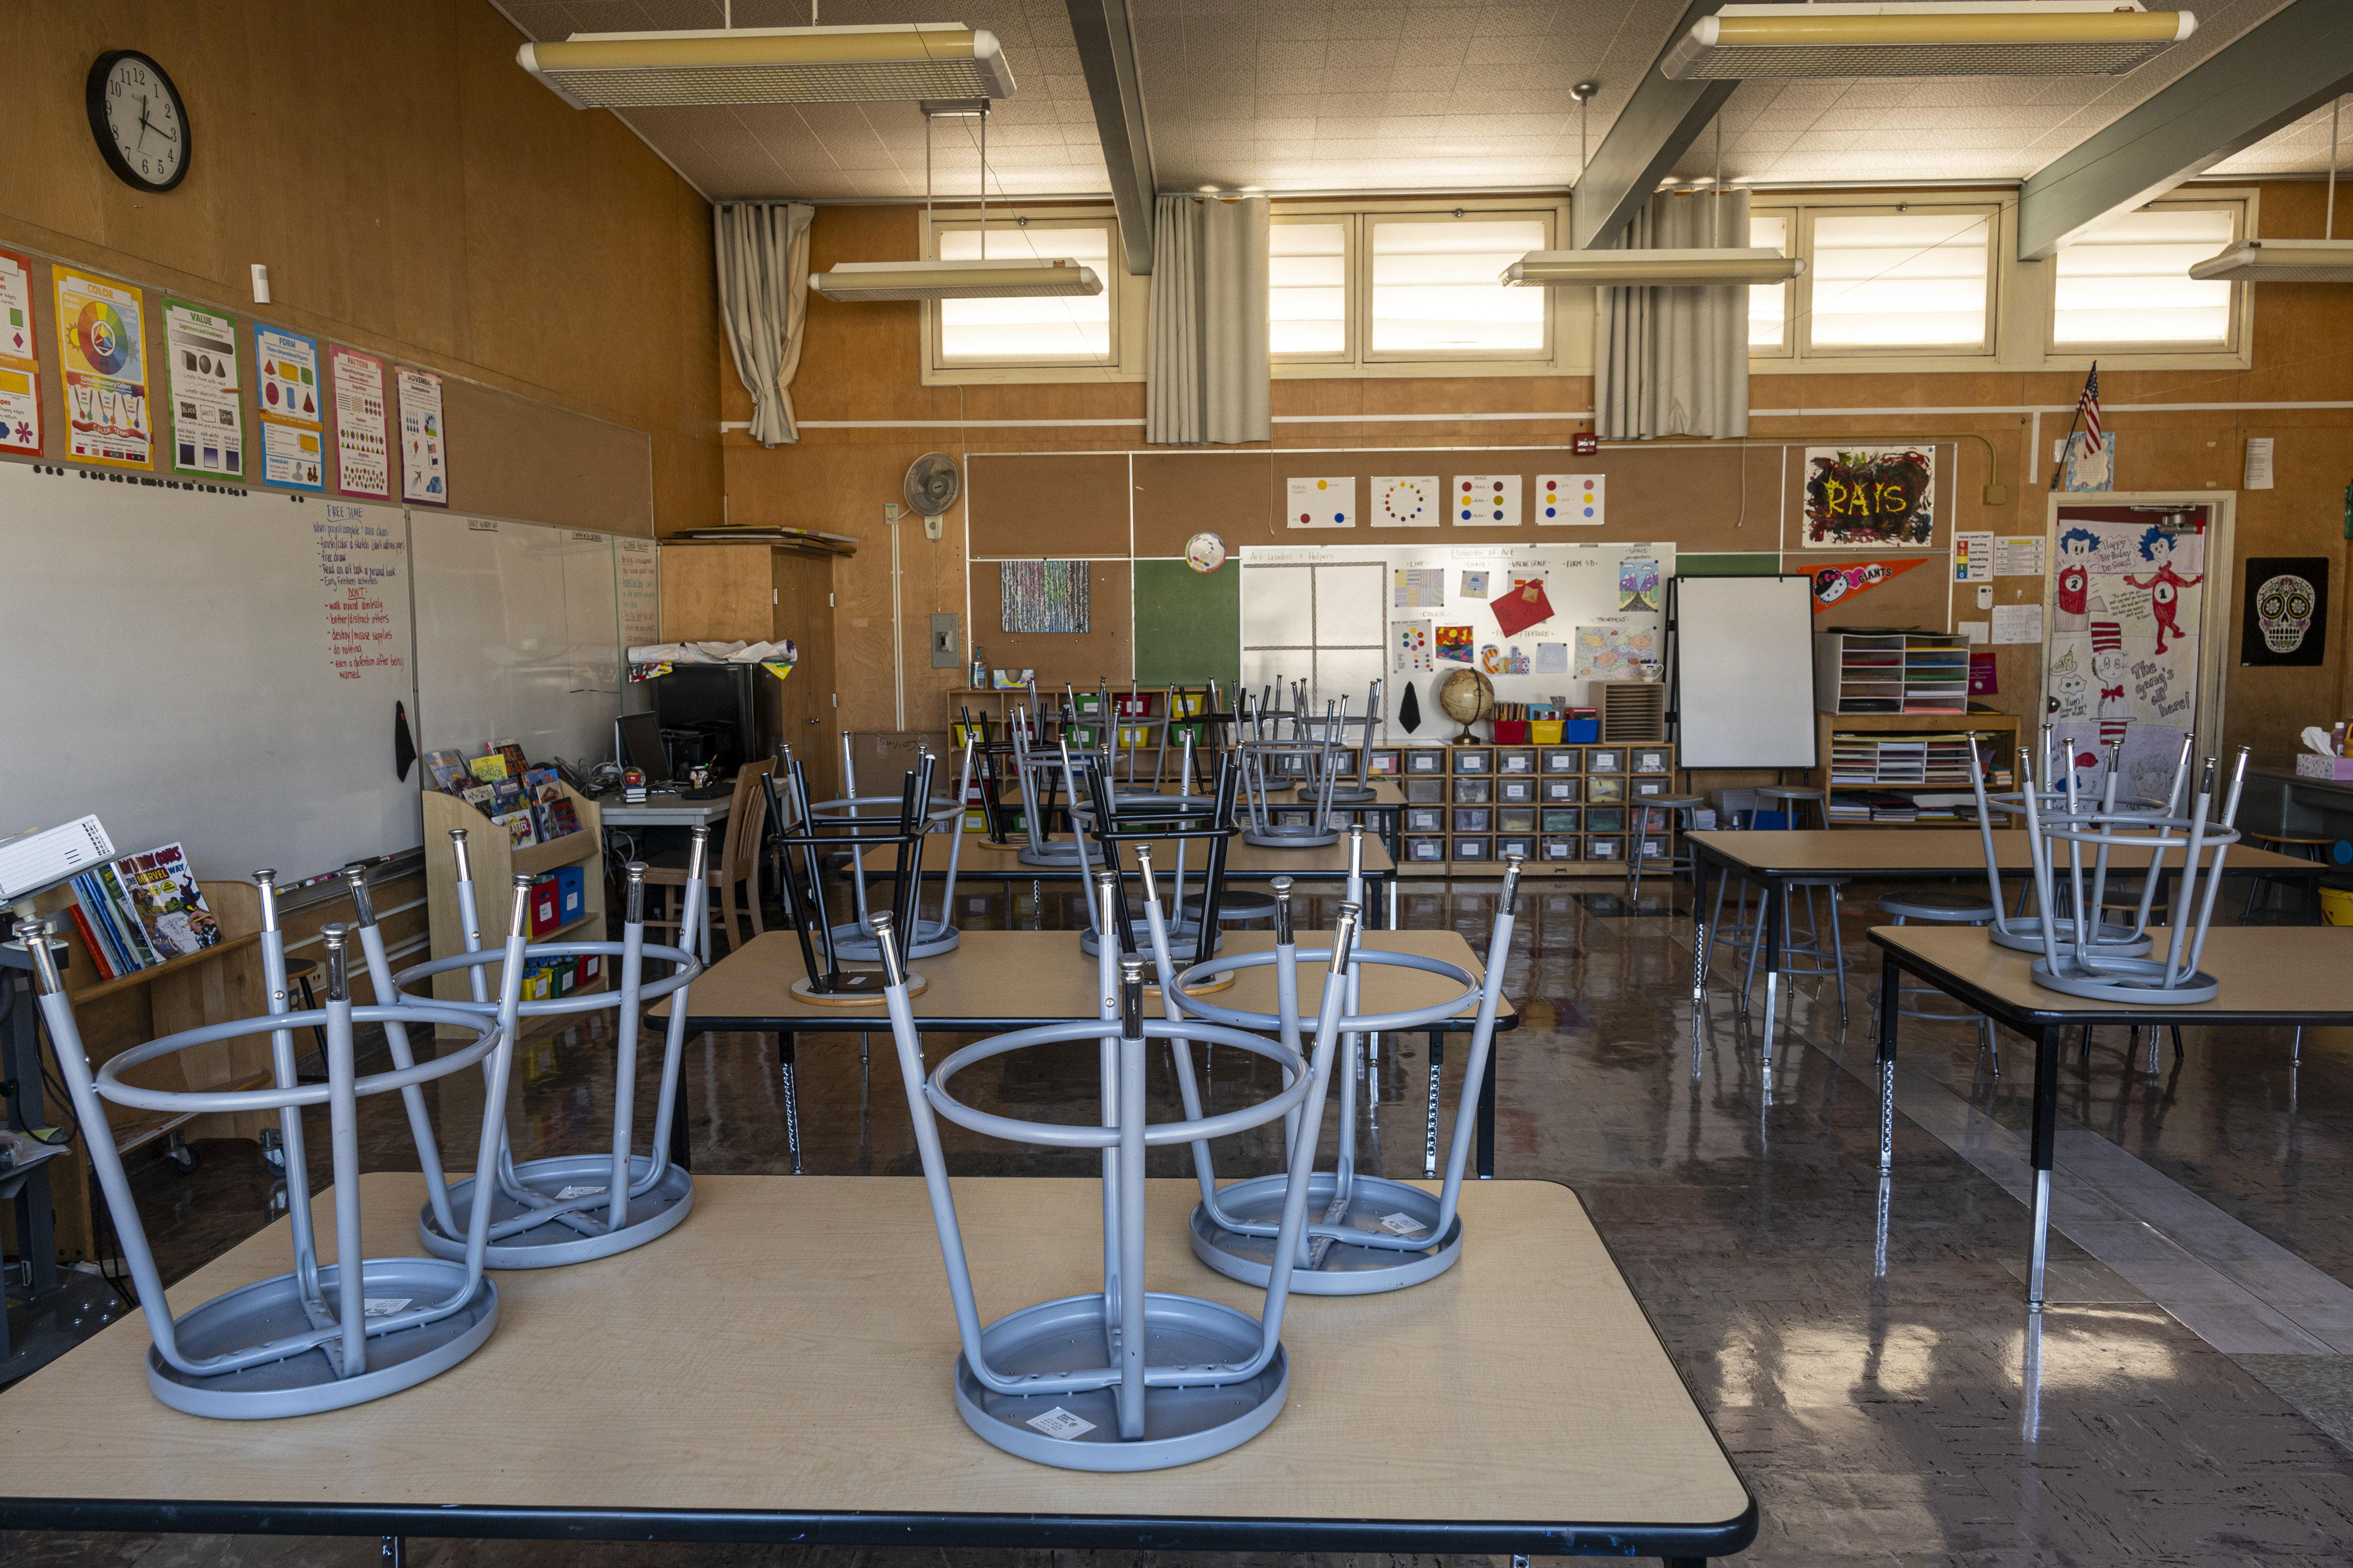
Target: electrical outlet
[947,650]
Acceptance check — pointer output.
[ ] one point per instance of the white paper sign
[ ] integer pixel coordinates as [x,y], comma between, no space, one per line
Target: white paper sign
[1059,1423]
[2259,464]
[2017,624]
[1402,1224]
[2017,555]
[1328,502]
[1414,501]
[1974,631]
[1484,500]
[1973,557]
[383,1305]
[1570,501]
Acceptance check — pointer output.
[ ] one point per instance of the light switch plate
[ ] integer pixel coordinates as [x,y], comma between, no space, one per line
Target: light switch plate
[947,651]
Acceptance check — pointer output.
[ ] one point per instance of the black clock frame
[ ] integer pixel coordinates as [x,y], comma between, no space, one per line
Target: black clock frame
[94,99]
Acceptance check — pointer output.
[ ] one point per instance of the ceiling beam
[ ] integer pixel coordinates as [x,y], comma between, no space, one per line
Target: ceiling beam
[1657,124]
[1107,54]
[2268,78]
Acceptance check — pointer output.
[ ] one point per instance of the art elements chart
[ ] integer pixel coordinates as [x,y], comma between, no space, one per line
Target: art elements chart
[363,439]
[294,425]
[207,413]
[1487,501]
[424,444]
[103,347]
[20,359]
[1409,502]
[1570,501]
[1327,502]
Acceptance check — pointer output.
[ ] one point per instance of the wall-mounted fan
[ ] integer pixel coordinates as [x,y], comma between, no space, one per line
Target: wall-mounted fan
[933,483]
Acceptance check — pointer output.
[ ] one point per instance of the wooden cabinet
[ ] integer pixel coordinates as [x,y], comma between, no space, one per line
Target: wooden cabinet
[1909,770]
[765,592]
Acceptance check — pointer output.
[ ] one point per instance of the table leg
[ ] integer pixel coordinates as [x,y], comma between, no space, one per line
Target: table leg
[392,1551]
[1699,939]
[1890,992]
[2045,1138]
[1777,903]
[1429,1139]
[1487,1114]
[682,1146]
[786,1069]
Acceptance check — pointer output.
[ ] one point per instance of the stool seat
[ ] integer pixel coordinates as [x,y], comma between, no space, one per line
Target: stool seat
[1234,905]
[2290,838]
[1952,909]
[1786,791]
[1676,801]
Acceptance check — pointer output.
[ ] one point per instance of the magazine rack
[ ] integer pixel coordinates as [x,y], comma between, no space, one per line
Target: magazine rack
[564,1208]
[1181,1378]
[2025,932]
[854,940]
[325,1335]
[1371,1233]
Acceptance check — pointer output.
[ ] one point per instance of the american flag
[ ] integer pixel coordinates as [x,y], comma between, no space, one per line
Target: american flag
[2087,408]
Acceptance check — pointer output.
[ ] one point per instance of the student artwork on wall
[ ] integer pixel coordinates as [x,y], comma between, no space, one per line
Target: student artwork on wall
[1570,501]
[1865,499]
[1419,588]
[1524,606]
[207,415]
[424,443]
[1552,659]
[1613,653]
[1409,502]
[2081,468]
[293,420]
[363,431]
[1638,585]
[102,346]
[1840,582]
[1043,596]
[1474,585]
[1454,644]
[1327,502]
[20,359]
[1500,660]
[1485,500]
[2286,612]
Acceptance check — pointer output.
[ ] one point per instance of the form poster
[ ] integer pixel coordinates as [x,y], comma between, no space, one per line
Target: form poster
[294,425]
[424,444]
[103,344]
[20,359]
[363,440]
[200,369]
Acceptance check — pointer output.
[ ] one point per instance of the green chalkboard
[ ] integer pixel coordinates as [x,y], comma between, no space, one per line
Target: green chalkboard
[1188,623]
[1752,564]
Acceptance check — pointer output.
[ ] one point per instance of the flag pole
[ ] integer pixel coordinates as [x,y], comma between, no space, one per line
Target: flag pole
[2067,448]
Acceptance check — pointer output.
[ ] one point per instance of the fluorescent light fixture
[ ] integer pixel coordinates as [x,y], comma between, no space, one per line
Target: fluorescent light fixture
[771,65]
[2280,261]
[1021,278]
[1946,38]
[1651,268]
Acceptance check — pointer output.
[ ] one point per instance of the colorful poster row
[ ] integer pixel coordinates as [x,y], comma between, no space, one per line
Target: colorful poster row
[1467,501]
[108,383]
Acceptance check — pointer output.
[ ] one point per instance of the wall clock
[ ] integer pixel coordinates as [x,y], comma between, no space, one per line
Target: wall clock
[140,122]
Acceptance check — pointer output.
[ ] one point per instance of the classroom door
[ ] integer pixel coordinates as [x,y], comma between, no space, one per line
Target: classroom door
[803,611]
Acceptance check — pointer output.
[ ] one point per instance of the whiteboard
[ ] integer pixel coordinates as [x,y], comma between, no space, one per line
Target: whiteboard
[215,668]
[518,636]
[1744,673]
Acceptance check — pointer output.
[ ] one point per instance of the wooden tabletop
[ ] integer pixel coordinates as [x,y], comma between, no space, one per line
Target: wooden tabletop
[1004,979]
[1932,852]
[788,1353]
[1244,862]
[2268,973]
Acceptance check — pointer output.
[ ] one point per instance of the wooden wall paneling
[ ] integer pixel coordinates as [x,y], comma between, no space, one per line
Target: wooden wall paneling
[513,457]
[1105,651]
[715,592]
[1064,506]
[802,586]
[1918,600]
[1180,494]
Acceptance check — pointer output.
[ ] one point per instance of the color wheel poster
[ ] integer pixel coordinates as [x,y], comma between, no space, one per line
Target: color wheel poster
[293,428]
[103,347]
[20,359]
[200,360]
[424,444]
[363,440]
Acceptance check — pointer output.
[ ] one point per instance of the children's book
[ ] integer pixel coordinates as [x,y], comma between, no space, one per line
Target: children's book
[488,769]
[479,796]
[506,796]
[100,958]
[166,902]
[98,922]
[121,911]
[540,781]
[520,833]
[449,771]
[512,751]
[561,815]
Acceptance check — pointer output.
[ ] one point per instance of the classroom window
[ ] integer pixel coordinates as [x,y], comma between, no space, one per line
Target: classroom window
[1910,280]
[1307,288]
[2127,283]
[1769,303]
[1097,337]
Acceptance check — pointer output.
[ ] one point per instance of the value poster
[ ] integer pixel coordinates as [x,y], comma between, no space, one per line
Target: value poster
[294,425]
[20,359]
[363,431]
[424,443]
[207,415]
[102,346]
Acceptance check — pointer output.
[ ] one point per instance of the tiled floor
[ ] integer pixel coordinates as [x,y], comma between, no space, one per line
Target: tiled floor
[1908,1412]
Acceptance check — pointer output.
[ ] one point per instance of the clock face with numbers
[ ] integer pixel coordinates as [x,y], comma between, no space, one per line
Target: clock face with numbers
[141,124]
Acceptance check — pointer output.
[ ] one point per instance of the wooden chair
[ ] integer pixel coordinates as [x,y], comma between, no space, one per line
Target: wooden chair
[738,861]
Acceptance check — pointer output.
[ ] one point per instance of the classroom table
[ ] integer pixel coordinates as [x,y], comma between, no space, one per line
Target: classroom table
[1384,811]
[667,808]
[985,862]
[2280,976]
[778,1369]
[1773,859]
[999,981]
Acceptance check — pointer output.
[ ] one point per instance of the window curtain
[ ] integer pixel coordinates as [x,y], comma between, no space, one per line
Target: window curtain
[764,254]
[1208,378]
[1675,361]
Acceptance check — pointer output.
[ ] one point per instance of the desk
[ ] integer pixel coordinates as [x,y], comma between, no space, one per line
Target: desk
[1773,859]
[985,862]
[667,808]
[778,1370]
[999,981]
[2269,974]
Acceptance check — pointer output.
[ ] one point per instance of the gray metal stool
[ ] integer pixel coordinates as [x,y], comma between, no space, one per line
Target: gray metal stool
[1644,823]
[1793,799]
[1944,908]
[1747,938]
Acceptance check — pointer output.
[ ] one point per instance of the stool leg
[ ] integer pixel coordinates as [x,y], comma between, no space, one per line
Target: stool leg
[1838,946]
[1756,946]
[1992,1042]
[785,1070]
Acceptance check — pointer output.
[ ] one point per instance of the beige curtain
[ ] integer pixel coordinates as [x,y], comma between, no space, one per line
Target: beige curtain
[764,252]
[1208,378]
[1675,361]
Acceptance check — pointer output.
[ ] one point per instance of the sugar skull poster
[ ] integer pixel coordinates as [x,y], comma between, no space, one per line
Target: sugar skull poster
[1865,499]
[2286,613]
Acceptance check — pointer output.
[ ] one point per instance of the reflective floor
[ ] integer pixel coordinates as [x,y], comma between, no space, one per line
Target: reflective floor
[1865,1355]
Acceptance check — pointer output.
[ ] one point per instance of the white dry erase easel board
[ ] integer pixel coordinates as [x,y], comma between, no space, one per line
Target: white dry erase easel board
[1331,615]
[1743,672]
[518,636]
[217,669]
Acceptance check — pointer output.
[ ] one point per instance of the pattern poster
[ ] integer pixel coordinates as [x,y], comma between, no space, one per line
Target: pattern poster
[1407,502]
[1570,501]
[102,346]
[1487,501]
[424,443]
[1870,499]
[363,432]
[294,425]
[1419,588]
[207,412]
[1327,502]
[20,359]
[2286,618]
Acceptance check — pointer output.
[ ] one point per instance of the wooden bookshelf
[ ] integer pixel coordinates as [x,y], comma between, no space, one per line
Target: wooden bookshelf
[1909,755]
[495,863]
[1569,808]
[1891,671]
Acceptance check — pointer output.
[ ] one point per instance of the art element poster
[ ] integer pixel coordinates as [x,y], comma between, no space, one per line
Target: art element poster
[424,443]
[2287,616]
[362,430]
[1474,585]
[1838,583]
[1419,588]
[1524,606]
[1552,659]
[207,415]
[103,344]
[294,424]
[1487,501]
[20,359]
[1867,498]
[1329,502]
[1454,644]
[1568,501]
[1613,653]
[1638,585]
[1409,647]
[1406,502]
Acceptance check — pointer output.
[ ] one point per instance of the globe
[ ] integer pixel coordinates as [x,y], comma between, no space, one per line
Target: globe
[1466,696]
